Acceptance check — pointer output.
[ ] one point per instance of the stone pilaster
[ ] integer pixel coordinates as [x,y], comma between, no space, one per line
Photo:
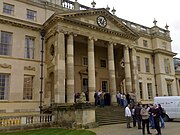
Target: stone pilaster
[91,70]
[112,77]
[134,74]
[70,69]
[127,67]
[59,85]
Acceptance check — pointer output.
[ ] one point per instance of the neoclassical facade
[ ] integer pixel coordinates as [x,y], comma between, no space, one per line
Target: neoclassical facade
[85,50]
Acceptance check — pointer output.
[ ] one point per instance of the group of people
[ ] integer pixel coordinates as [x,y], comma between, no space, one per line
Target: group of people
[145,115]
[124,99]
[102,98]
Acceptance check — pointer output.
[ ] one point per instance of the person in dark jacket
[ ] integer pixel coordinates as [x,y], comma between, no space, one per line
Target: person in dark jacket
[156,114]
[138,115]
[161,117]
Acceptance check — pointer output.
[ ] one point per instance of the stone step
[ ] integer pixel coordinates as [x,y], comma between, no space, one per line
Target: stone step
[110,115]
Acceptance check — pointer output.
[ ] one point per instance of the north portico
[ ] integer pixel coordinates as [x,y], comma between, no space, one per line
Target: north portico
[87,51]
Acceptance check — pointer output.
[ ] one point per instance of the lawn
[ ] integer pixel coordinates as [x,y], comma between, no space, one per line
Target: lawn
[50,131]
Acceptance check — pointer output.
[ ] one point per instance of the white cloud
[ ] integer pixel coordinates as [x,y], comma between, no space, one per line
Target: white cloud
[144,11]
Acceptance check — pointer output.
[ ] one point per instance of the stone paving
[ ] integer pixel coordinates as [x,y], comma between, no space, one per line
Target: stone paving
[172,128]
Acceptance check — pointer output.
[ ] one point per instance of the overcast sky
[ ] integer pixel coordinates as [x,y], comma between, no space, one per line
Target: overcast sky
[144,11]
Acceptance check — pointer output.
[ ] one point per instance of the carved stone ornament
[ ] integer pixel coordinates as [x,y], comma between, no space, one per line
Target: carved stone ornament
[5,66]
[29,68]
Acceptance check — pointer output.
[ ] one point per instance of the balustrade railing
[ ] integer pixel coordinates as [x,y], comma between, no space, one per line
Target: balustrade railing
[25,120]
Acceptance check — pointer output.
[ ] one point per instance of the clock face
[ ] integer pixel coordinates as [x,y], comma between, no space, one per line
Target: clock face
[101,21]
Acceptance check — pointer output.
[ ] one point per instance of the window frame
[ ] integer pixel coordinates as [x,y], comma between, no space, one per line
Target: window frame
[10,11]
[145,43]
[149,90]
[147,65]
[103,60]
[141,90]
[138,63]
[84,60]
[169,85]
[31,14]
[6,45]
[107,87]
[27,89]
[6,91]
[31,48]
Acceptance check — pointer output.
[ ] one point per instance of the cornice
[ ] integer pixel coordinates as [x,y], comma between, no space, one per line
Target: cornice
[13,58]
[20,23]
[145,50]
[164,52]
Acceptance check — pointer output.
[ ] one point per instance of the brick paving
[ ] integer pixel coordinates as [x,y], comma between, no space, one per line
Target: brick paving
[172,128]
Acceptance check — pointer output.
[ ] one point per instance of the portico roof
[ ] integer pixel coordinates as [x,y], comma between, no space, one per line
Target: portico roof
[88,19]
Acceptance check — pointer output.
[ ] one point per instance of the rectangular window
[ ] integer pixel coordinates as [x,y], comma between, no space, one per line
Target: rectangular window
[140,90]
[85,61]
[29,47]
[103,63]
[169,90]
[5,43]
[8,8]
[149,88]
[28,88]
[138,63]
[31,15]
[145,43]
[4,86]
[147,64]
[166,65]
[104,86]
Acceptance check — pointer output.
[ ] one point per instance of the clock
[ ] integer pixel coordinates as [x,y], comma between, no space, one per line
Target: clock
[101,21]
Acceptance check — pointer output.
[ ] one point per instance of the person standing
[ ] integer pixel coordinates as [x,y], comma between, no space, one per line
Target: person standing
[118,98]
[133,116]
[138,115]
[145,119]
[161,116]
[151,118]
[156,114]
[128,115]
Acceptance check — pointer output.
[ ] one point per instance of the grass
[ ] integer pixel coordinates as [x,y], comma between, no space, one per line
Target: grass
[50,131]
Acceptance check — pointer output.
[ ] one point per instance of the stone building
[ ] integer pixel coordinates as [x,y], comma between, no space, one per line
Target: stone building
[86,49]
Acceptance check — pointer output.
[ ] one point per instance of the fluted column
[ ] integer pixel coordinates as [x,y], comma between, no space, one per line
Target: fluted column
[91,70]
[70,69]
[59,68]
[134,74]
[112,77]
[128,82]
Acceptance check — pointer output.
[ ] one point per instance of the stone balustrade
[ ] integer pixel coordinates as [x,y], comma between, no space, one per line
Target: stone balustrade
[146,30]
[25,120]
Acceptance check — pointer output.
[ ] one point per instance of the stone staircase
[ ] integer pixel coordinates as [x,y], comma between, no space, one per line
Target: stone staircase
[110,115]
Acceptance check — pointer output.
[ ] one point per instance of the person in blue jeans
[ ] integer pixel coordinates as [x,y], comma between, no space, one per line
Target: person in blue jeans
[161,116]
[151,118]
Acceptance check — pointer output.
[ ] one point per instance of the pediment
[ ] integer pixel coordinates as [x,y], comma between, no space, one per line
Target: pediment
[89,18]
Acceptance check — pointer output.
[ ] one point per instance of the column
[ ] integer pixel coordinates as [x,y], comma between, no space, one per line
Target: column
[112,77]
[128,82]
[178,88]
[59,84]
[70,69]
[134,74]
[91,70]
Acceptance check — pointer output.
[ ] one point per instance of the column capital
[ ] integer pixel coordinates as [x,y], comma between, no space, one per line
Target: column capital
[71,33]
[92,38]
[113,43]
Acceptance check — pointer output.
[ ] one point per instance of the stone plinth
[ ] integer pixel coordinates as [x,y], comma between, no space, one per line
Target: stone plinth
[81,115]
